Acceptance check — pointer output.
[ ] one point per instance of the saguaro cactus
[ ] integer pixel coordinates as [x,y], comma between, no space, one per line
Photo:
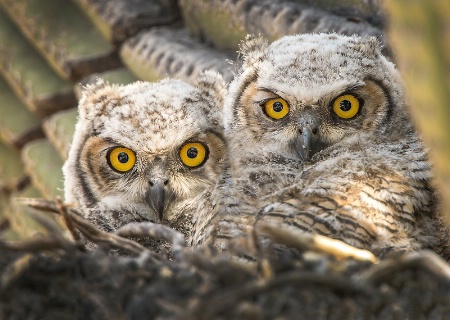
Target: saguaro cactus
[420,34]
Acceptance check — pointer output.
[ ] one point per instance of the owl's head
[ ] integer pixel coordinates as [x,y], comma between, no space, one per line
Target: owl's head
[304,93]
[143,151]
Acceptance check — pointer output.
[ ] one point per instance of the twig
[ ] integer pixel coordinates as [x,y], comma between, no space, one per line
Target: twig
[33,245]
[424,260]
[231,297]
[67,219]
[53,230]
[97,236]
[308,241]
[207,258]
[154,230]
[56,239]
[38,204]
[91,232]
[263,263]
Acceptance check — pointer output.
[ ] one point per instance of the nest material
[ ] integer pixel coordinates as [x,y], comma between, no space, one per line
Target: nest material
[55,278]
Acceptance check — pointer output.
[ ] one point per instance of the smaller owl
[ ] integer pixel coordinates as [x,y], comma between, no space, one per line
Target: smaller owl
[320,140]
[146,151]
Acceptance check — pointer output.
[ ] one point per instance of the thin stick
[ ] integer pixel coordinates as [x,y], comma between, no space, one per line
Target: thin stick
[423,259]
[39,204]
[89,230]
[54,231]
[55,240]
[154,230]
[67,219]
[309,241]
[263,263]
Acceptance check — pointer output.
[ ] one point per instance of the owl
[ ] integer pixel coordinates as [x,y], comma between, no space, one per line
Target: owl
[146,151]
[320,140]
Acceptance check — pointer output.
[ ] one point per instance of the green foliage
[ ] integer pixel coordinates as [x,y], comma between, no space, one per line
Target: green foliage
[15,118]
[209,20]
[43,164]
[61,33]
[25,71]
[60,128]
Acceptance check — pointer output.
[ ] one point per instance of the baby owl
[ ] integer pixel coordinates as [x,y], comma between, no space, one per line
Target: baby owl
[146,151]
[320,141]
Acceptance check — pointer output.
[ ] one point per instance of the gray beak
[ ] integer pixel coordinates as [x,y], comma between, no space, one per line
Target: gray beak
[309,141]
[306,144]
[155,198]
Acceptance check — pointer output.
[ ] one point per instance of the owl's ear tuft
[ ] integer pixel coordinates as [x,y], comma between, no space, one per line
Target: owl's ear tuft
[370,46]
[91,88]
[252,49]
[93,98]
[211,83]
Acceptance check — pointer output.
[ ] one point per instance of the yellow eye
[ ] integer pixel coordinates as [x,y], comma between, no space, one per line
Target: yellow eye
[276,108]
[346,106]
[193,154]
[121,159]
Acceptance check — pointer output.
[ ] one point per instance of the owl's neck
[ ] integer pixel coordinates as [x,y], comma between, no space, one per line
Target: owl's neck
[258,177]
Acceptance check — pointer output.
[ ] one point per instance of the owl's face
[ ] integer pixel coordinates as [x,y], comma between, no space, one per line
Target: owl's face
[145,151]
[304,122]
[302,94]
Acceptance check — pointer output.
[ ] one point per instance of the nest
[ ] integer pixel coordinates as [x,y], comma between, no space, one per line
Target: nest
[54,277]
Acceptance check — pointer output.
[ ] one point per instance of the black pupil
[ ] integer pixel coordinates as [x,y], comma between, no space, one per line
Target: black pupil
[345,105]
[192,153]
[122,157]
[277,106]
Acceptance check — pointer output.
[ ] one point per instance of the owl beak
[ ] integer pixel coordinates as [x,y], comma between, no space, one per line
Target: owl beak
[306,144]
[155,198]
[309,141]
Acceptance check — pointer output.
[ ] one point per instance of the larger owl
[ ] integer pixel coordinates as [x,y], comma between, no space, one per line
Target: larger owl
[334,104]
[146,151]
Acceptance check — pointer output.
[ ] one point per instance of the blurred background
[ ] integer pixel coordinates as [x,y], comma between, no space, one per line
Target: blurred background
[49,49]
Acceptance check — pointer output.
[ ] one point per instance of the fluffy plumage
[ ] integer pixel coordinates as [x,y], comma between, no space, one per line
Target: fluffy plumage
[146,151]
[333,104]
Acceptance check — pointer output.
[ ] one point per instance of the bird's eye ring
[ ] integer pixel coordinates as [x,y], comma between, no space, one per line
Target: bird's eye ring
[276,108]
[121,159]
[194,154]
[346,106]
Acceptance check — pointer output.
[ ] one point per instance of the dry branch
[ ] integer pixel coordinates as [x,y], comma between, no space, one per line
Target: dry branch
[314,242]
[426,260]
[91,232]
[67,219]
[154,230]
[54,240]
